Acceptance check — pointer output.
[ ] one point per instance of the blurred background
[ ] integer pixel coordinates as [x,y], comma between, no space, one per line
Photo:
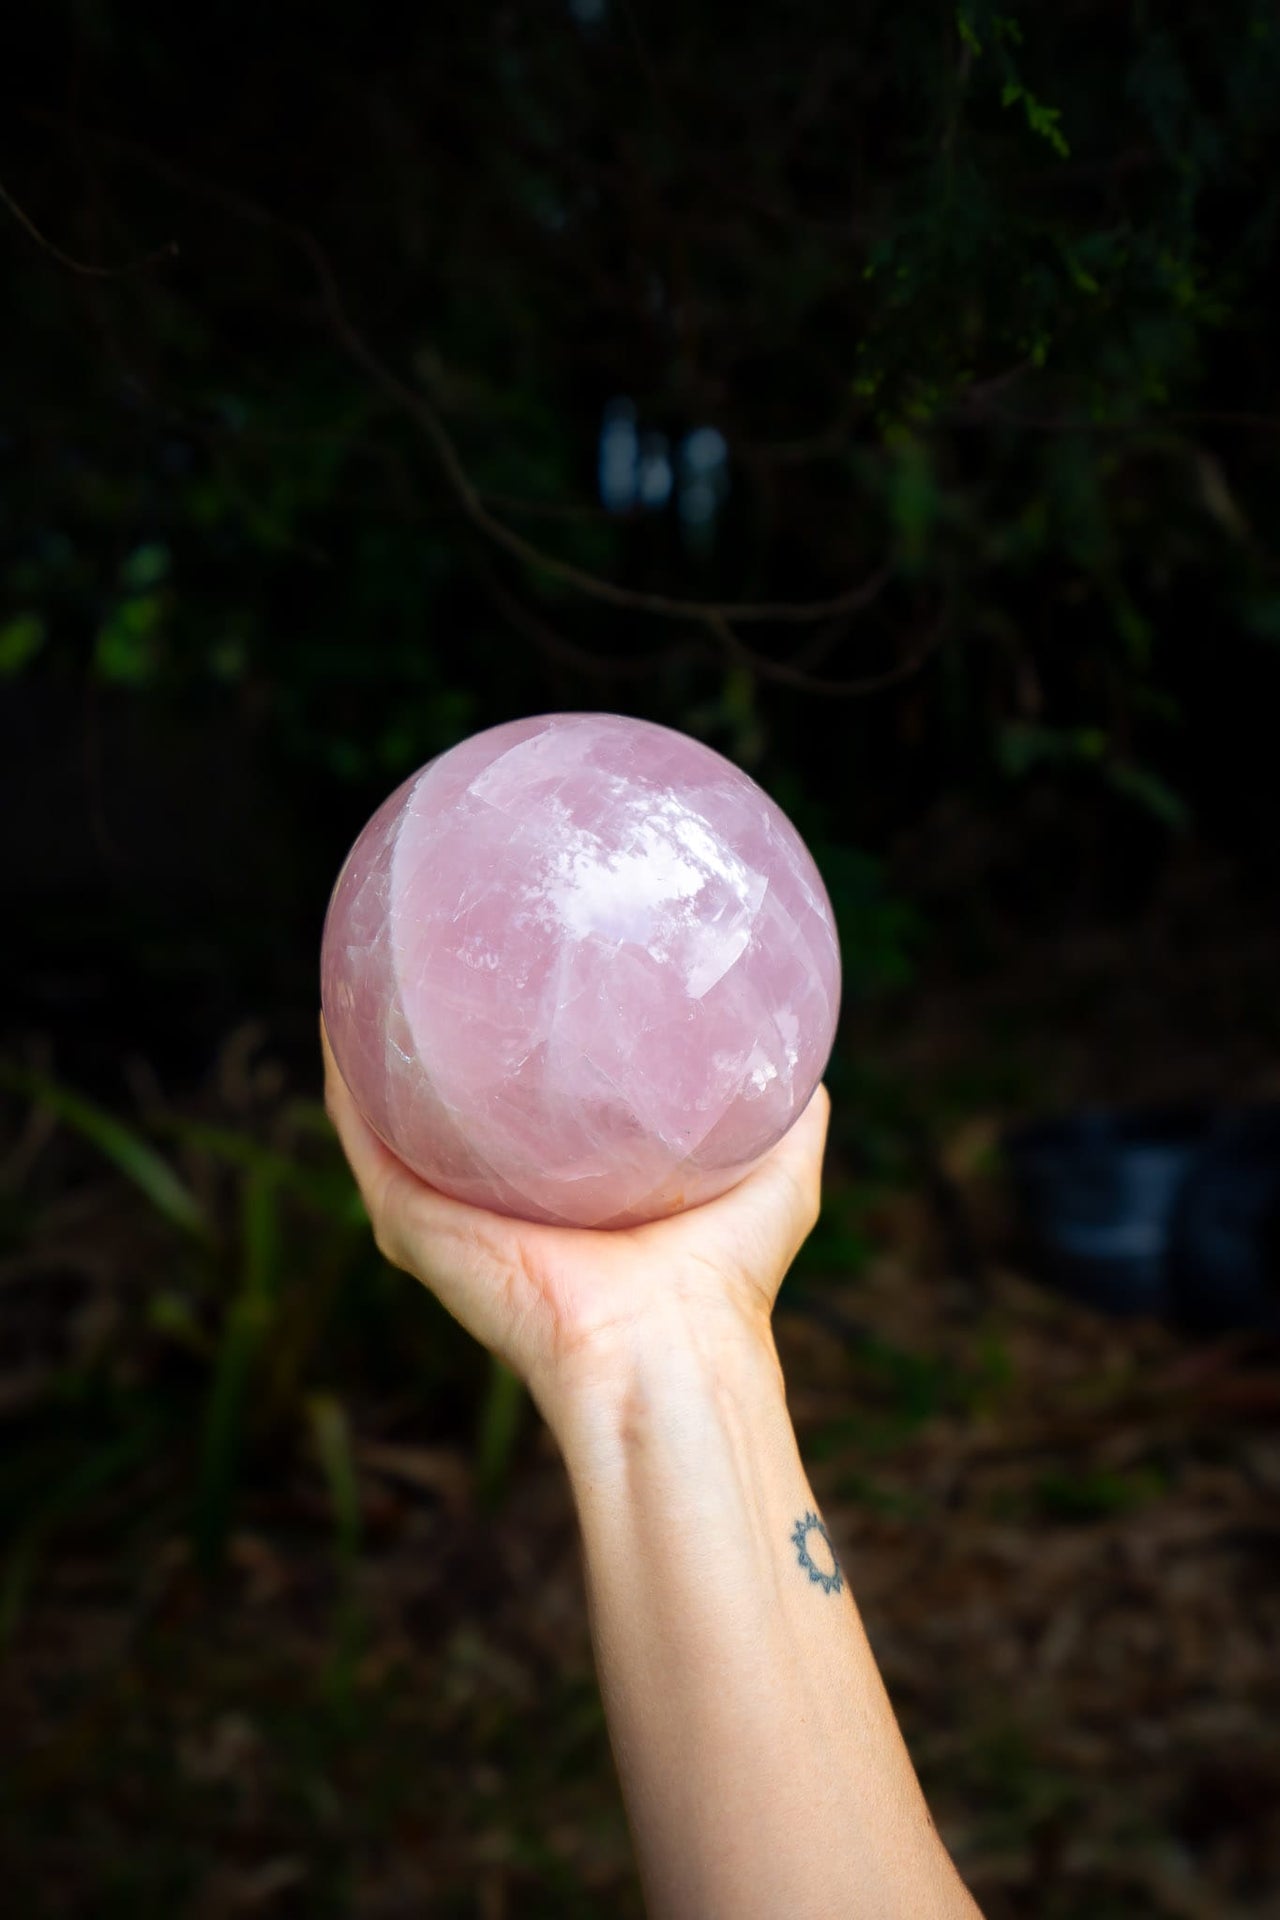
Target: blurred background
[886,395]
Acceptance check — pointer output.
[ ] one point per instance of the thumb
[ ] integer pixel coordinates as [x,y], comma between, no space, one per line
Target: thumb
[758,1227]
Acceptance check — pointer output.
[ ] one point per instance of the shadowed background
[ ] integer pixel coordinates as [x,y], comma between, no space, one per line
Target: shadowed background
[885,395]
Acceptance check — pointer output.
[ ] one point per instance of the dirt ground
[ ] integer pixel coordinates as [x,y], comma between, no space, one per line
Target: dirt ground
[1063,1530]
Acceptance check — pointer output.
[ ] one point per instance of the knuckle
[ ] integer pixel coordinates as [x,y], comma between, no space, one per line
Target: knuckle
[804,1202]
[810,1198]
[382,1240]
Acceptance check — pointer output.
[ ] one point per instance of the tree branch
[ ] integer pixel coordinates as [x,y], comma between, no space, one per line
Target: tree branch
[636,666]
[470,501]
[718,618]
[167,252]
[787,674]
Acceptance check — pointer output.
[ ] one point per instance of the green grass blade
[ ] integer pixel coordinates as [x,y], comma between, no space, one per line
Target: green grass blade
[498,1431]
[95,1472]
[260,1236]
[120,1144]
[331,1434]
[243,1334]
[329,1193]
[245,1331]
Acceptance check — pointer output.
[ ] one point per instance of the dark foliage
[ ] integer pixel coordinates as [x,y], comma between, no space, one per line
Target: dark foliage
[313,319]
[306,381]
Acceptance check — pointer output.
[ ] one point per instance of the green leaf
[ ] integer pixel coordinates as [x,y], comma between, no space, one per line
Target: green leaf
[1041,119]
[912,494]
[260,1234]
[1151,793]
[1020,746]
[965,28]
[331,1433]
[145,567]
[172,1315]
[227,659]
[96,1471]
[20,640]
[499,1429]
[125,652]
[331,1436]
[244,1332]
[1261,615]
[127,1150]
[330,1193]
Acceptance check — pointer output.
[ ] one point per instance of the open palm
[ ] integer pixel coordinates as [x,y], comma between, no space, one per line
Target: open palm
[550,1301]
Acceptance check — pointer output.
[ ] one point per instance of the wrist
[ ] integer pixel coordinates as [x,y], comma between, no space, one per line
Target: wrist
[672,1369]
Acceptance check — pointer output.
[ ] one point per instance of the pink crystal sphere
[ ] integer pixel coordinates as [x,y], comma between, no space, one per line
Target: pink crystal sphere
[580,969]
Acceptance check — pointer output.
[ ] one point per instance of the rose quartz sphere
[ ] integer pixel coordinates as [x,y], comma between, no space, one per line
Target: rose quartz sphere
[580,969]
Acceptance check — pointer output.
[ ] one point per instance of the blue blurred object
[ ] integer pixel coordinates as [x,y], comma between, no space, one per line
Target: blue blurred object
[1225,1242]
[1097,1195]
[704,482]
[1162,1210]
[618,458]
[654,478]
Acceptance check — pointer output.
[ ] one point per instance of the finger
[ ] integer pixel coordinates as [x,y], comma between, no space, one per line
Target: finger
[775,1209]
[766,1218]
[377,1170]
[413,1223]
[371,1161]
[799,1155]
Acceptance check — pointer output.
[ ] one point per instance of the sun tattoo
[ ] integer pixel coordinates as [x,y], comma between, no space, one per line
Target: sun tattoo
[829,1582]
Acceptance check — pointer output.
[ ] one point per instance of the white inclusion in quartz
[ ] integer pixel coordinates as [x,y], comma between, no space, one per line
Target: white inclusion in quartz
[789,1027]
[760,1069]
[478,954]
[755,1069]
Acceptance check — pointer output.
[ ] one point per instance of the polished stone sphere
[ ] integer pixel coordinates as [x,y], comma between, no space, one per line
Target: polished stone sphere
[580,969]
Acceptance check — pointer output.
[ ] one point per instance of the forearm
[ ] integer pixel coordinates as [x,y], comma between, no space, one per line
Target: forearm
[761,1763]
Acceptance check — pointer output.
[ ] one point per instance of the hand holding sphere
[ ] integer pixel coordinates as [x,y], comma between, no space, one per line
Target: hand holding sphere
[567,1308]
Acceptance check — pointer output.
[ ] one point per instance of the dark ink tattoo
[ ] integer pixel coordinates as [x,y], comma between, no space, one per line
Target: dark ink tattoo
[829,1582]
